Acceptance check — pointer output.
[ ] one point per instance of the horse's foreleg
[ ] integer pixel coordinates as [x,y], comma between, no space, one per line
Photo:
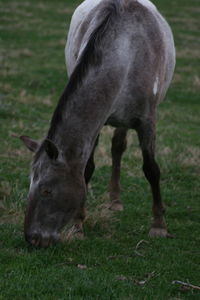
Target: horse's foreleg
[77,229]
[146,134]
[118,147]
[90,167]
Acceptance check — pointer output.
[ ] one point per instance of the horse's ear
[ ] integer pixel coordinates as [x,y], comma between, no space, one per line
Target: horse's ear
[51,149]
[29,143]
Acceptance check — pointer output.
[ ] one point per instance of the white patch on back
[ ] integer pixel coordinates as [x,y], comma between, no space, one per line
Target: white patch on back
[155,86]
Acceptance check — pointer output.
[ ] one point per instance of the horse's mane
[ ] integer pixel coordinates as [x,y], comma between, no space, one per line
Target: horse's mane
[90,56]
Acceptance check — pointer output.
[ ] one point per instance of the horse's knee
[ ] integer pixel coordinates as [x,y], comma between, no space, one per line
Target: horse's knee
[151,171]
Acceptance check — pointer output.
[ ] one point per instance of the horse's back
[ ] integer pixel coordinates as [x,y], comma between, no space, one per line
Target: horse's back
[138,52]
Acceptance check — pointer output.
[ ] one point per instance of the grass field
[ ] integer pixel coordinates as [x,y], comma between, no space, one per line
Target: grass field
[117,259]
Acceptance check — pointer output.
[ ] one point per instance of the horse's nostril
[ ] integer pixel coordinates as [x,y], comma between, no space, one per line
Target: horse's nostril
[33,239]
[28,237]
[34,242]
[43,240]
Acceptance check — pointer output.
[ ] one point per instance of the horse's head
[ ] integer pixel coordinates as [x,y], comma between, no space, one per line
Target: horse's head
[55,195]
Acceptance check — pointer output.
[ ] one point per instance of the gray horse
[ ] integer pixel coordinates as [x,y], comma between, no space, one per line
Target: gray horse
[120,57]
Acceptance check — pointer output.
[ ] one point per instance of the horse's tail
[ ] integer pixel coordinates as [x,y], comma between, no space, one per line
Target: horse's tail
[104,16]
[91,54]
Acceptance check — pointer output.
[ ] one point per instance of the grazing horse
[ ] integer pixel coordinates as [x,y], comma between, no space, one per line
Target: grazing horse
[120,58]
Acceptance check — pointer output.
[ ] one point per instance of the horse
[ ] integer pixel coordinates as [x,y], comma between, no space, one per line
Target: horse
[120,58]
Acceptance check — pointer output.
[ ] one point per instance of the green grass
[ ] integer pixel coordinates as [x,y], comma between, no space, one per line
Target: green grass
[117,259]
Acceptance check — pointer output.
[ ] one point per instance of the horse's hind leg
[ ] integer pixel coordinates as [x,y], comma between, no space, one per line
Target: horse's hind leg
[118,147]
[146,134]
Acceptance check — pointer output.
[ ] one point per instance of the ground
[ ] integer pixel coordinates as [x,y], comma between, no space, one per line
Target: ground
[117,259]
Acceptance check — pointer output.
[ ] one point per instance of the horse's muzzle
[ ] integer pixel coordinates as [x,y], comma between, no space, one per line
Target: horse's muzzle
[42,240]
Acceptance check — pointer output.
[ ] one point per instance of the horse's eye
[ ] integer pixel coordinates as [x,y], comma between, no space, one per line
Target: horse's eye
[45,192]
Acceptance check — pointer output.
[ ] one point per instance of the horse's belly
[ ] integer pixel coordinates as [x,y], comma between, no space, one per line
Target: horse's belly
[129,113]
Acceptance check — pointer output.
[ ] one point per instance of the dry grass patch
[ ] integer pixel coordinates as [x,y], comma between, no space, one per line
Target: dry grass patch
[164,114]
[11,219]
[60,42]
[196,82]
[164,151]
[191,157]
[15,53]
[13,215]
[5,188]
[11,212]
[188,53]
[177,78]
[26,98]
[21,152]
[100,214]
[186,22]
[56,31]
[5,87]
[66,11]
[193,81]
[9,70]
[21,53]
[42,6]
[185,68]
[16,10]
[189,38]
[9,61]
[6,18]
[193,9]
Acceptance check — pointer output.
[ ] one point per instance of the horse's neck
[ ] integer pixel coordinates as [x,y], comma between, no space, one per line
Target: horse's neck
[83,116]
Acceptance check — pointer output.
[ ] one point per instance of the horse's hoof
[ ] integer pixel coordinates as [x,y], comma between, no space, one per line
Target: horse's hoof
[116,205]
[159,232]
